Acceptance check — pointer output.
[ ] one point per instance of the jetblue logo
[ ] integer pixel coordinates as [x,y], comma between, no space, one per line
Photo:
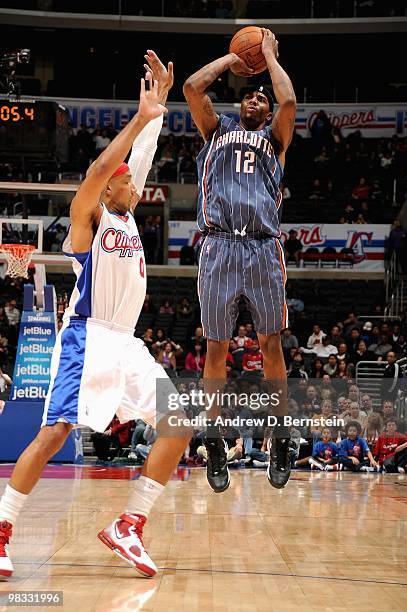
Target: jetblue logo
[117,240]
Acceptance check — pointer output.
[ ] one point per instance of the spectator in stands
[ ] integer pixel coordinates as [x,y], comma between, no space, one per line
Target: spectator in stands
[84,141]
[377,192]
[353,450]
[312,399]
[253,358]
[117,435]
[354,393]
[388,442]
[294,304]
[373,429]
[167,163]
[366,403]
[361,353]
[391,375]
[293,247]
[3,351]
[317,368]
[242,339]
[160,340]
[197,337]
[316,192]
[288,340]
[195,360]
[297,367]
[382,347]
[142,450]
[166,307]
[351,323]
[321,130]
[250,333]
[3,322]
[388,410]
[12,313]
[148,339]
[316,337]
[324,452]
[353,343]
[360,220]
[166,357]
[353,413]
[341,372]
[148,305]
[349,214]
[336,336]
[184,310]
[362,190]
[331,367]
[322,350]
[366,333]
[101,141]
[397,244]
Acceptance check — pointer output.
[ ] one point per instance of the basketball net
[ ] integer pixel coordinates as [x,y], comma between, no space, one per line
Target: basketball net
[18,258]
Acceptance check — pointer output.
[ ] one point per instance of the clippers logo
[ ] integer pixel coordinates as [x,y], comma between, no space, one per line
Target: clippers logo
[116,240]
[357,241]
[309,236]
[343,120]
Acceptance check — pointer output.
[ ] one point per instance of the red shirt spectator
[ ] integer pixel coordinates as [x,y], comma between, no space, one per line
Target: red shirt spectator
[253,359]
[388,442]
[361,191]
[195,360]
[121,430]
[241,339]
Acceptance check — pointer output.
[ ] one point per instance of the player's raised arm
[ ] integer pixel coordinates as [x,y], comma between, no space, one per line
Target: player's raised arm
[145,145]
[283,121]
[85,207]
[195,86]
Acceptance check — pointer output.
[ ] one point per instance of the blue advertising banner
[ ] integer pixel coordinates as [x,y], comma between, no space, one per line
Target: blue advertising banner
[35,344]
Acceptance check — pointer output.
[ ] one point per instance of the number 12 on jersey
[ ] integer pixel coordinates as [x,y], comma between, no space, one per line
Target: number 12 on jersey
[248,162]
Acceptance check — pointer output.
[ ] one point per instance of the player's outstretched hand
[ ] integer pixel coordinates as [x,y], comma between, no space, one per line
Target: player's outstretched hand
[269,43]
[149,107]
[239,67]
[164,76]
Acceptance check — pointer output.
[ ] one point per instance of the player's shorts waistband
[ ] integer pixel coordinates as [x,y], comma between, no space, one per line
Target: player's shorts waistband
[122,329]
[239,237]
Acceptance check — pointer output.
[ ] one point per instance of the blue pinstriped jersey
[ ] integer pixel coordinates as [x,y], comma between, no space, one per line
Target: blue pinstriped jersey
[239,181]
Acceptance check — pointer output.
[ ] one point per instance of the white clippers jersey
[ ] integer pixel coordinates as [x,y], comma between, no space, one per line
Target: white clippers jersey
[111,279]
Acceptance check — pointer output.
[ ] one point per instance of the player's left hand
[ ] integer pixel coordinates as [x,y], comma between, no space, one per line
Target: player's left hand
[164,76]
[149,106]
[269,43]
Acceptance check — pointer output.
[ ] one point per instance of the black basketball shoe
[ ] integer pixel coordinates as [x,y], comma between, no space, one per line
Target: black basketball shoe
[279,468]
[217,471]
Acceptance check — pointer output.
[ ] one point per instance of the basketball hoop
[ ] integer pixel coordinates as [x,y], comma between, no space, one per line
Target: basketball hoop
[18,258]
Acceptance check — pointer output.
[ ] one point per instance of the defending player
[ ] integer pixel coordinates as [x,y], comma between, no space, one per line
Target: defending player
[239,170]
[98,368]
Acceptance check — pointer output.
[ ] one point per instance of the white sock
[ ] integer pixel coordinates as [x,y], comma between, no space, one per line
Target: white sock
[11,504]
[145,494]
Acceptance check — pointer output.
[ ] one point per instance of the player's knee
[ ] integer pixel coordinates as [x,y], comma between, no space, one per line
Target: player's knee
[51,438]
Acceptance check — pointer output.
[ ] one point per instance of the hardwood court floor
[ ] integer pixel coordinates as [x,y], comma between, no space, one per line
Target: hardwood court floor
[327,542]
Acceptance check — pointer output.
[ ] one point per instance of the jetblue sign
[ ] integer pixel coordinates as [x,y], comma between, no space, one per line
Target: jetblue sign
[35,345]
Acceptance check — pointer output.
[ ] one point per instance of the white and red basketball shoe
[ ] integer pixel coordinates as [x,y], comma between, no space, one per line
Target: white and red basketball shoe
[6,567]
[125,538]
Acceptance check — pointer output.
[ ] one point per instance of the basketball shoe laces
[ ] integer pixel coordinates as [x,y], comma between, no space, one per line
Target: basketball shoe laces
[136,524]
[5,534]
[217,456]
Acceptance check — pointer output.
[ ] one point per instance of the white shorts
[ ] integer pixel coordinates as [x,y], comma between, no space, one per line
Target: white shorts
[99,369]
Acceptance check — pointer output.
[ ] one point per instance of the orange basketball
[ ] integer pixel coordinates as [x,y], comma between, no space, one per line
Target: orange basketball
[246,43]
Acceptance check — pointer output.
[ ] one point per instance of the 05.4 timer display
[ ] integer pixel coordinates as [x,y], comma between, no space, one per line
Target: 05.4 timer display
[16,113]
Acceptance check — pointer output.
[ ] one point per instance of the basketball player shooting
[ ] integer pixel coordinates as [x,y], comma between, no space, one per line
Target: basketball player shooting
[239,210]
[98,368]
